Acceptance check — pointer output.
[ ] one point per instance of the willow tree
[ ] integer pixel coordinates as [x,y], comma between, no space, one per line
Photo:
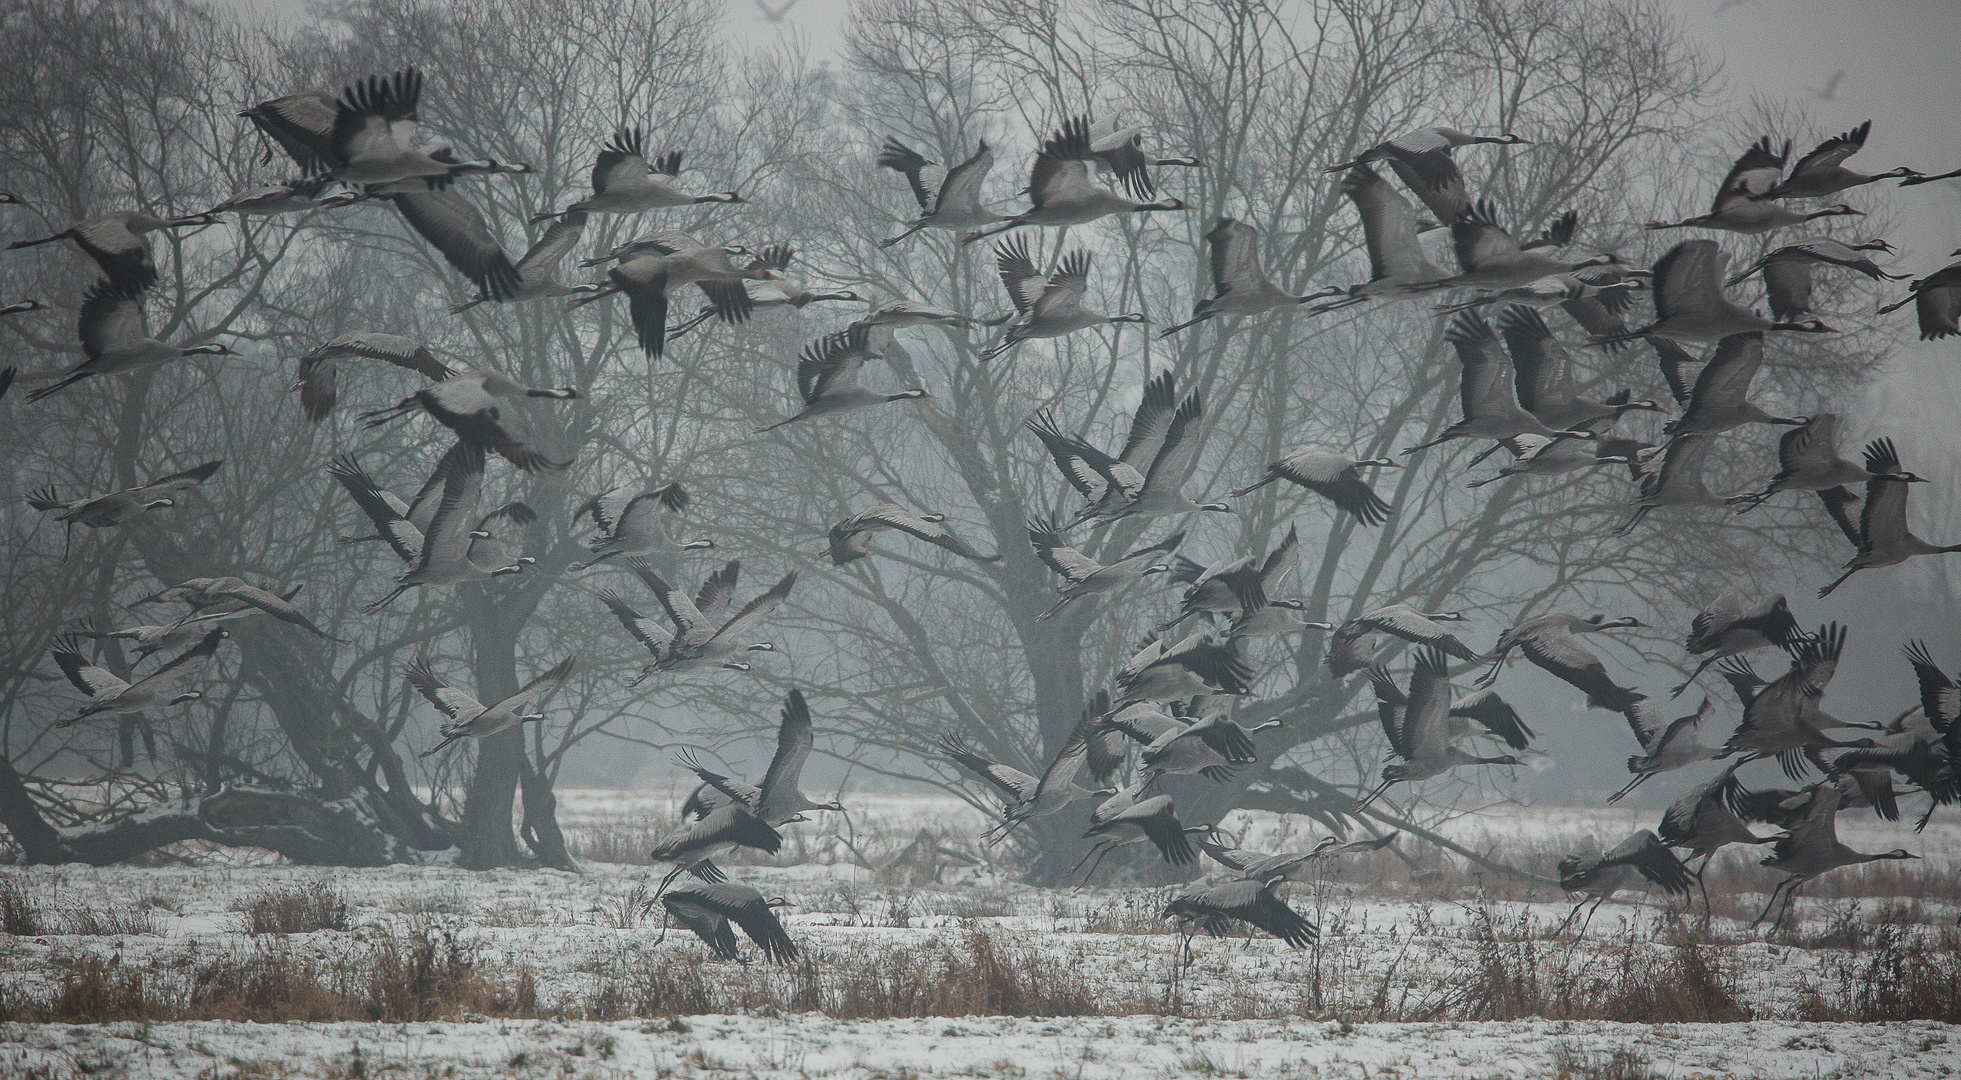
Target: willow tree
[297,732]
[912,643]
[296,738]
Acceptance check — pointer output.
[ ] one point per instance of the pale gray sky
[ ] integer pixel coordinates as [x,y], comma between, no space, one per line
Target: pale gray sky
[1898,59]
[1900,71]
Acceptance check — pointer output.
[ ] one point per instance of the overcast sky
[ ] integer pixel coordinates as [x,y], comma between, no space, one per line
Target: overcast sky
[1895,63]
[1898,59]
[1900,70]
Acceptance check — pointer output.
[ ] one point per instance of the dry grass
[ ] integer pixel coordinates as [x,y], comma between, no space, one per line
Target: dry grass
[1894,975]
[22,916]
[1127,912]
[302,909]
[19,914]
[428,976]
[1576,1064]
[973,973]
[1519,975]
[102,919]
[1510,971]
[612,841]
[627,911]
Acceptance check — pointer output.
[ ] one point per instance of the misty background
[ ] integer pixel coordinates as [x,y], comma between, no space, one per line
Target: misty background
[896,651]
[1896,63]
[1896,66]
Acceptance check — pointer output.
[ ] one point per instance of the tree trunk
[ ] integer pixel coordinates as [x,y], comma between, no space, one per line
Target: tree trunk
[300,826]
[487,838]
[38,840]
[540,828]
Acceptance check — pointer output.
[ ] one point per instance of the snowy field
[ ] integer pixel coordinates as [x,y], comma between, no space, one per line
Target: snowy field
[810,1046]
[1422,970]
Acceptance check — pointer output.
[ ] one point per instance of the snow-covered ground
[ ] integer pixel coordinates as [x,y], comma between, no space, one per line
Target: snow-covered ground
[1401,950]
[811,1046]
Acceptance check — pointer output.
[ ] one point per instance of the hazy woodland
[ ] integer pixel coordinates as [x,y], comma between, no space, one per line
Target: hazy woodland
[304,751]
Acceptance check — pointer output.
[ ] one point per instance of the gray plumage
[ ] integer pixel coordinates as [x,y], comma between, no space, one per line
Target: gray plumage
[118,507]
[707,908]
[116,338]
[470,718]
[317,368]
[110,694]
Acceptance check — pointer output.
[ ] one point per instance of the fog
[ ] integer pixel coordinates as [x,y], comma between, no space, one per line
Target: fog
[914,643]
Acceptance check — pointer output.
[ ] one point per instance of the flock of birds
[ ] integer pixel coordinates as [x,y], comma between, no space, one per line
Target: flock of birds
[1175,697]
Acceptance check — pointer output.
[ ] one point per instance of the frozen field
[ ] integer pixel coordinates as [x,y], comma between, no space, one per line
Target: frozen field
[810,1046]
[1421,970]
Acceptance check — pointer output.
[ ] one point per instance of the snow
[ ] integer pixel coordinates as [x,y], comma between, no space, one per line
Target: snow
[1242,1002]
[811,1046]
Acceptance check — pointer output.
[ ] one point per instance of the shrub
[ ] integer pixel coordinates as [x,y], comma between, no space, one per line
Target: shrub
[19,915]
[302,909]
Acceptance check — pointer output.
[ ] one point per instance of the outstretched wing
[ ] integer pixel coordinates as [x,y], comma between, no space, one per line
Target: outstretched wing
[1390,705]
[539,687]
[88,678]
[1072,456]
[1940,701]
[961,186]
[455,228]
[1015,784]
[680,609]
[753,613]
[718,592]
[1067,286]
[1150,423]
[1055,551]
[1833,151]
[303,125]
[1495,715]
[1846,507]
[451,701]
[901,158]
[793,743]
[541,259]
[1754,175]
[1235,250]
[389,521]
[1646,726]
[642,628]
[1018,273]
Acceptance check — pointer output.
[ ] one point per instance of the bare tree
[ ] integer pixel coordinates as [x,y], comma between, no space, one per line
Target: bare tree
[915,643]
[299,745]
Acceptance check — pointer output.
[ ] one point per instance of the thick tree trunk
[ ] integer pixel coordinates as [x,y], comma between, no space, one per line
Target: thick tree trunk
[488,803]
[487,839]
[300,826]
[38,840]
[540,829]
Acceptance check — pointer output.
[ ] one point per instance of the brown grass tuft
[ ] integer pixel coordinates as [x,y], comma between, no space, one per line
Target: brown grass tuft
[1519,976]
[972,973]
[1894,974]
[302,909]
[19,915]
[102,919]
[428,976]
